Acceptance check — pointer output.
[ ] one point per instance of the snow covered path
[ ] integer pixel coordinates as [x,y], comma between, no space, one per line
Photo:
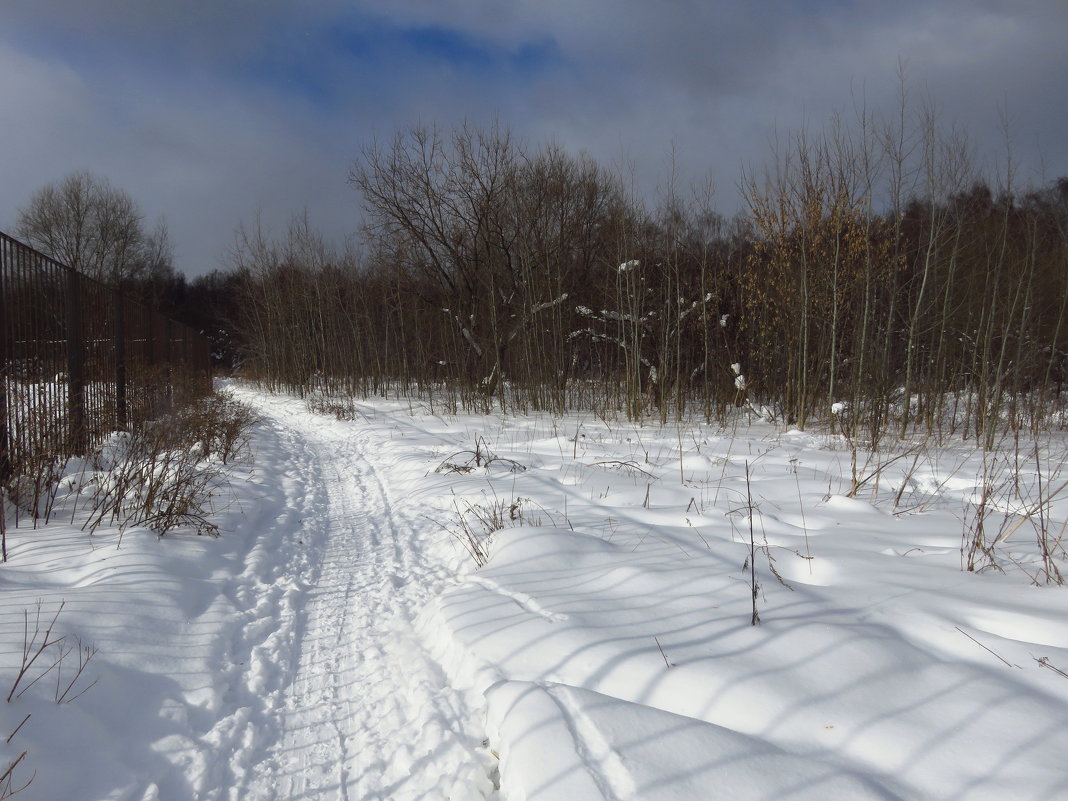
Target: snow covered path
[364,712]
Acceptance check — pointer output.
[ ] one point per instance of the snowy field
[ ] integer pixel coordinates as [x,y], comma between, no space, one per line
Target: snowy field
[339,640]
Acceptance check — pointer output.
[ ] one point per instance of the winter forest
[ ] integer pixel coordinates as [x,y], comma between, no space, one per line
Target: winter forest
[874,270]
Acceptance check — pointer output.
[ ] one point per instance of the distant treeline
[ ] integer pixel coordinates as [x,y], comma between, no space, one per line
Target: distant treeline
[876,271]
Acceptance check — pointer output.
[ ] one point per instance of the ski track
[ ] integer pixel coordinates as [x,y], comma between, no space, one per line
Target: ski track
[357,709]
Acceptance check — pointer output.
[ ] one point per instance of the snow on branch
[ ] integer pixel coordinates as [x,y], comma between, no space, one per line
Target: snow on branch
[597,336]
[606,315]
[540,307]
[465,331]
[471,340]
[696,304]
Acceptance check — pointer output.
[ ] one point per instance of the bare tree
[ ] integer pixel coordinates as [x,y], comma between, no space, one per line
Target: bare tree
[95,228]
[495,232]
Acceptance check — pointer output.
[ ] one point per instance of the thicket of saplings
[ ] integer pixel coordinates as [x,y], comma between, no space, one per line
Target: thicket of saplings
[875,273]
[163,473]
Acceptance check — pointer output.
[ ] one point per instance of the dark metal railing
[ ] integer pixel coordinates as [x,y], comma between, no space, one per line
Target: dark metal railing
[79,360]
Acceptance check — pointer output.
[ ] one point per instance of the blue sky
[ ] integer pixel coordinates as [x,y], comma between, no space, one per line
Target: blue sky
[211,113]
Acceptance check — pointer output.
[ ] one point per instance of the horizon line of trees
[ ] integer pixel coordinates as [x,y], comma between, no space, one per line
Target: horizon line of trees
[873,271]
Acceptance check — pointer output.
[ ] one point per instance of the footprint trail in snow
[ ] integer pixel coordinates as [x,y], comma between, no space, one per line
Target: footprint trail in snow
[361,711]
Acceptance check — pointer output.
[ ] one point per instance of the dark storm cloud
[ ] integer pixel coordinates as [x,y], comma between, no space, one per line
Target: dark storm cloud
[210,112]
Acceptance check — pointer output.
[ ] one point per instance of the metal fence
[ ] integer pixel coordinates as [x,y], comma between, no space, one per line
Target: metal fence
[78,360]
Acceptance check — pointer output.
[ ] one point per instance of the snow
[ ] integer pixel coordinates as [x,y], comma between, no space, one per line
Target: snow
[338,641]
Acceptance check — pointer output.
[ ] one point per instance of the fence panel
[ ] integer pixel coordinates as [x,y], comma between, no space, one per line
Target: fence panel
[79,360]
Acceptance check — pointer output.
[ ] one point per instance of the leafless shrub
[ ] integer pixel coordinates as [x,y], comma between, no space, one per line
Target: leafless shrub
[219,426]
[1007,488]
[343,408]
[481,456]
[149,479]
[165,475]
[750,510]
[45,652]
[475,523]
[34,490]
[65,684]
[977,545]
[45,642]
[35,477]
[629,467]
[7,779]
[33,647]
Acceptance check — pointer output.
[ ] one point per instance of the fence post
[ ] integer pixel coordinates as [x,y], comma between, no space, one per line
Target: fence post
[121,416]
[5,358]
[75,364]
